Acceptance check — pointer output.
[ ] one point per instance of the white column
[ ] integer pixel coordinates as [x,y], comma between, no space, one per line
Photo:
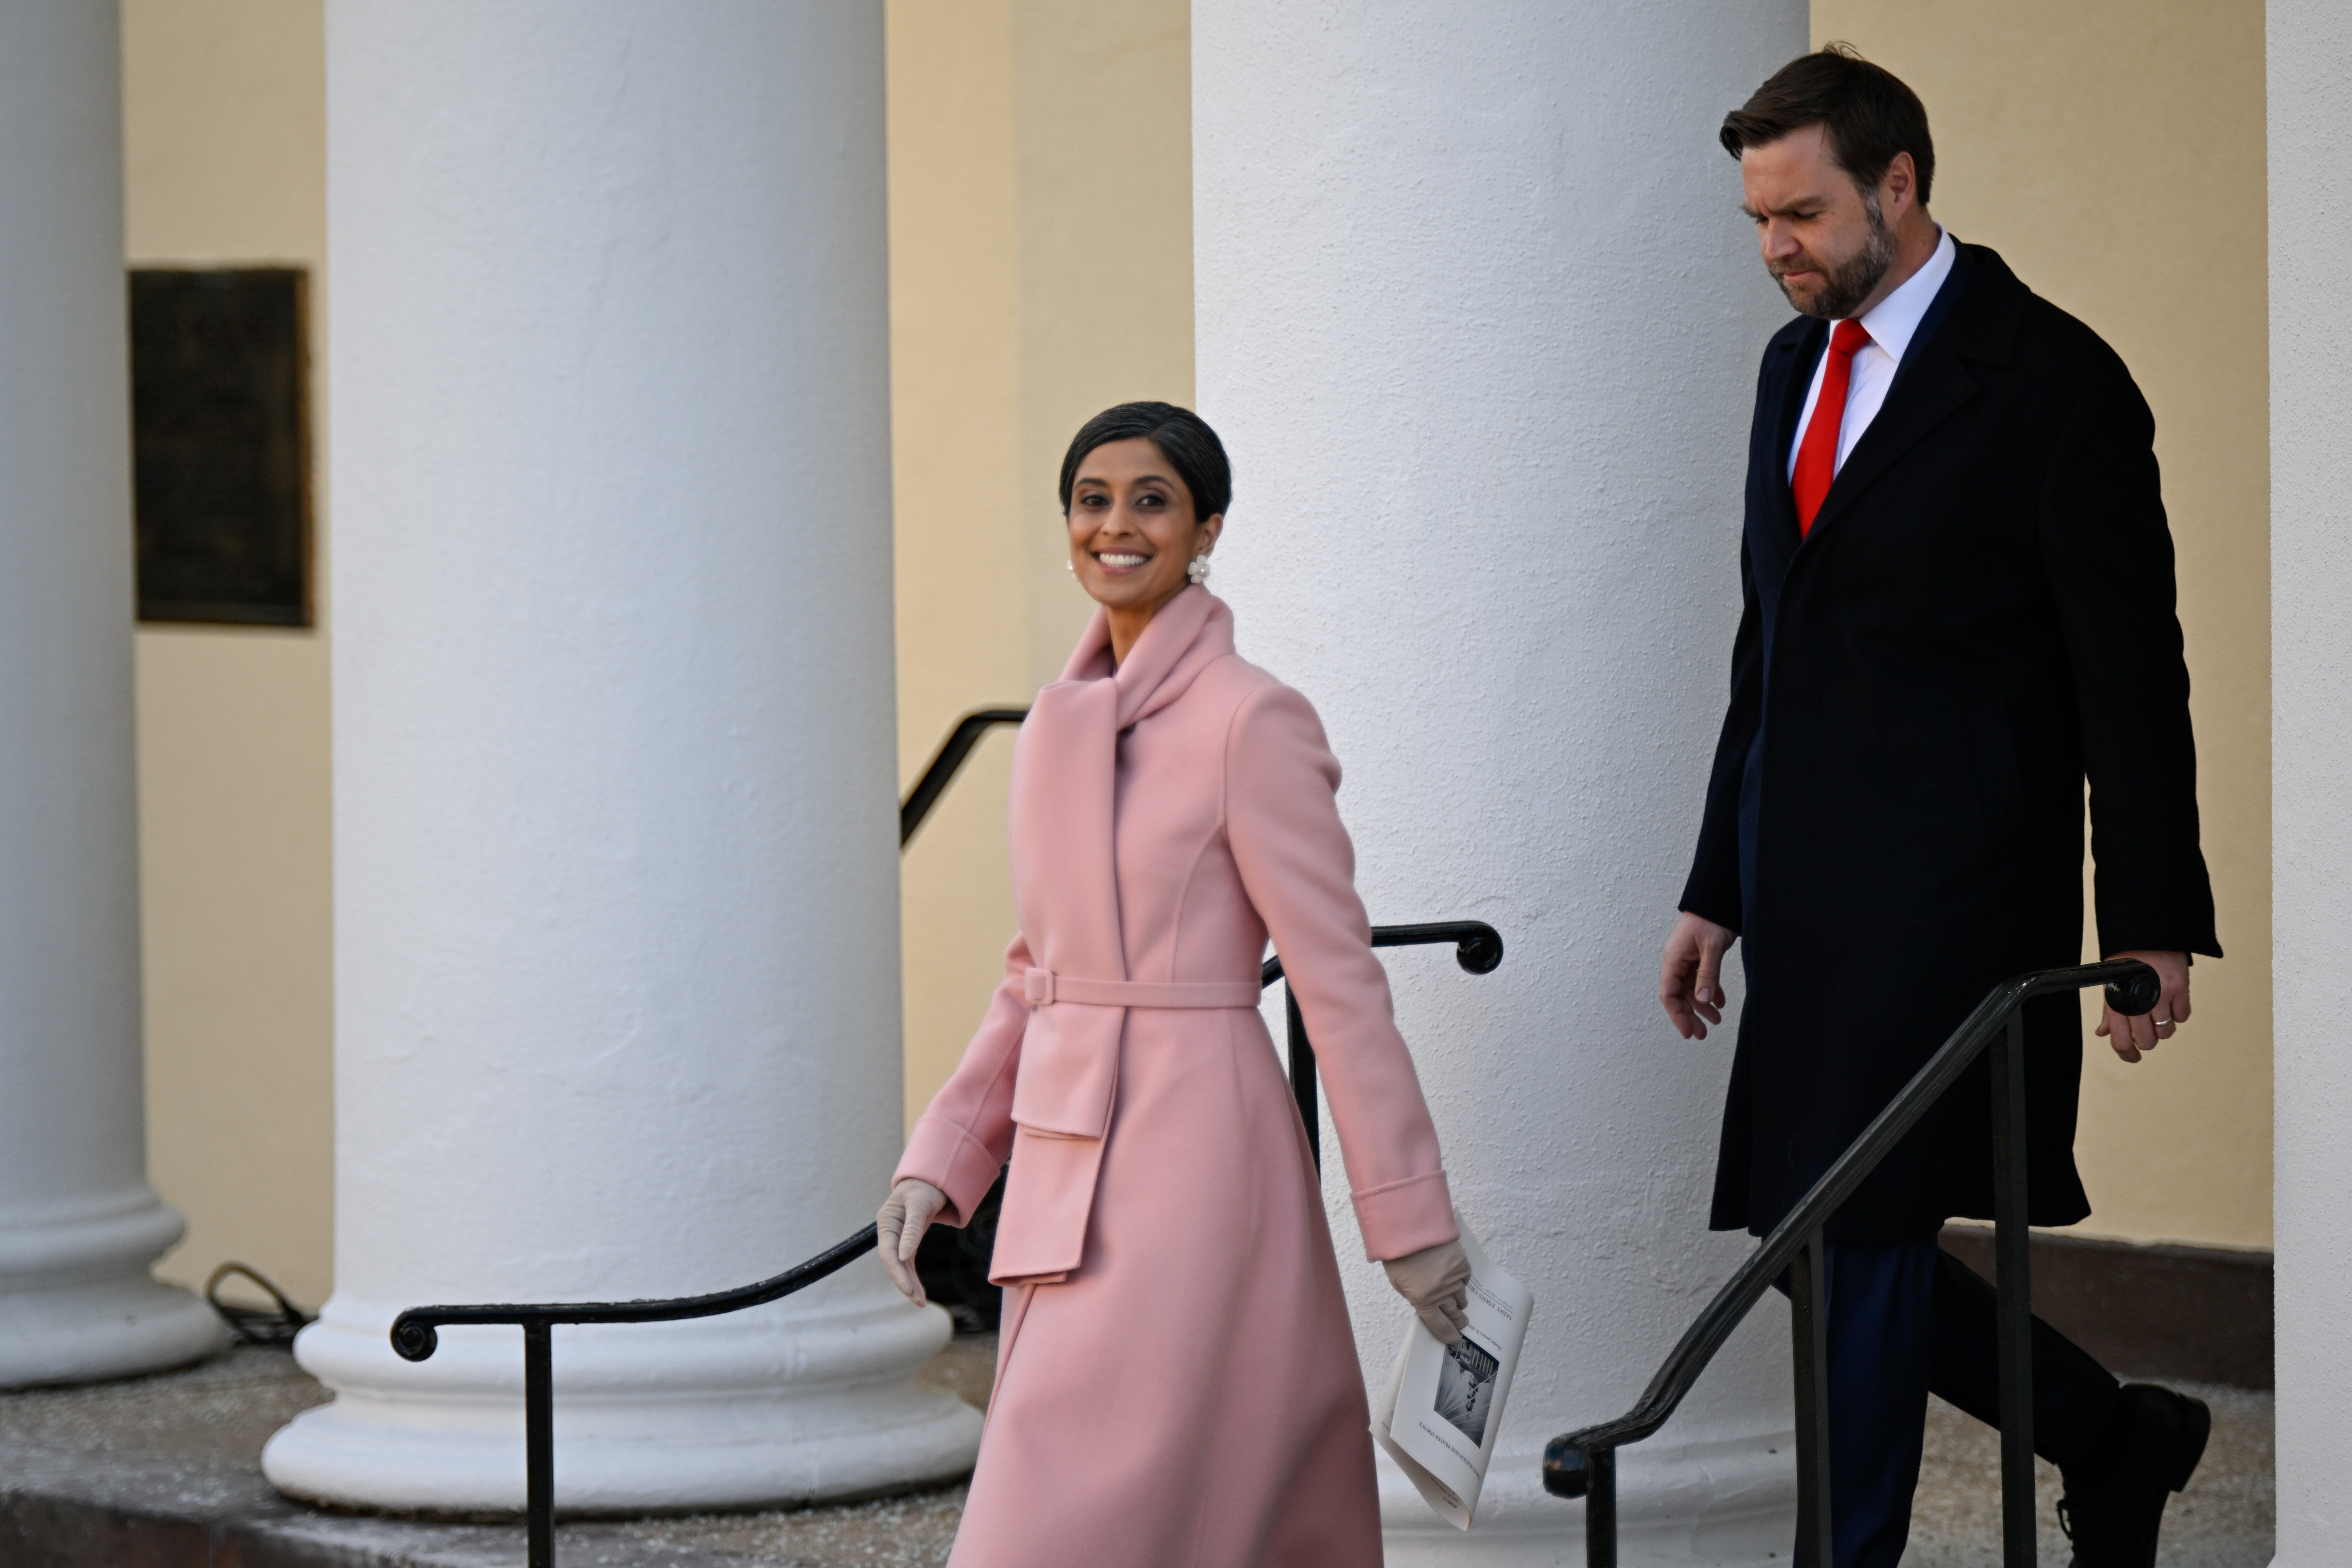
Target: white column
[616,866]
[79,1223]
[1479,322]
[2310,93]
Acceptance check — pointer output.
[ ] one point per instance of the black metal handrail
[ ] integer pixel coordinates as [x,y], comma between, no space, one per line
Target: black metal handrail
[957,1254]
[1584,1463]
[946,760]
[415,1332]
[1476,948]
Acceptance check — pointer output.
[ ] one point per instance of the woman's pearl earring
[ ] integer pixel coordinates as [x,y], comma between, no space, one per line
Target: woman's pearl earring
[1199,569]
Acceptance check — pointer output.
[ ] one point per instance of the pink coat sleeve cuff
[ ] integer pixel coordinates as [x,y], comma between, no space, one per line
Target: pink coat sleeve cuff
[1404,1216]
[953,1160]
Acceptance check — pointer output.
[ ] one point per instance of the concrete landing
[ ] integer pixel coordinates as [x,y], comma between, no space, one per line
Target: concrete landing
[2225,1518]
[165,1472]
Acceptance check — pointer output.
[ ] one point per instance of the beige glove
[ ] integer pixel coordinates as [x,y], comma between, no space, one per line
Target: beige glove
[906,1213]
[1437,1280]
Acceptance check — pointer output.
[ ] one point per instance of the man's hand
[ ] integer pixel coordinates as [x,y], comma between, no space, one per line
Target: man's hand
[1690,984]
[906,1215]
[2130,1036]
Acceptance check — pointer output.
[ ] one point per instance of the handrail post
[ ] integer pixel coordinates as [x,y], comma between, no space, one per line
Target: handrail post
[1809,1325]
[1601,1508]
[538,1440]
[1302,1073]
[2014,1303]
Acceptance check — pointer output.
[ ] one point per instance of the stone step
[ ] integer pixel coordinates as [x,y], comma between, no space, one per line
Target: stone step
[100,1512]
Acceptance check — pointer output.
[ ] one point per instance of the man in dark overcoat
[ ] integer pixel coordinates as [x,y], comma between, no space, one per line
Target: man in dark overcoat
[1959,605]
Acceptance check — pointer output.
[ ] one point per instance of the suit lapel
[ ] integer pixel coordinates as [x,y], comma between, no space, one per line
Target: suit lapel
[1797,358]
[1970,318]
[1917,406]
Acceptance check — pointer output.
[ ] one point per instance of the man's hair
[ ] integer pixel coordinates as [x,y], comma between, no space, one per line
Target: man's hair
[1866,113]
[1183,438]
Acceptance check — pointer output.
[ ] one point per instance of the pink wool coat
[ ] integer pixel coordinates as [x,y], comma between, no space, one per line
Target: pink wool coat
[1176,1383]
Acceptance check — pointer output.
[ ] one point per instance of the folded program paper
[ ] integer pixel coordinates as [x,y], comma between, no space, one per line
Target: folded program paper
[1442,1412]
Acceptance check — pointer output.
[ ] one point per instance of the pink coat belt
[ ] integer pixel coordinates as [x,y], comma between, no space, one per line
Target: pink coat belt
[1043,988]
[1069,1052]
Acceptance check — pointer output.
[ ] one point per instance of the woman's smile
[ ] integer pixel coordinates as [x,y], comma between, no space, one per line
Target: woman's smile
[1135,531]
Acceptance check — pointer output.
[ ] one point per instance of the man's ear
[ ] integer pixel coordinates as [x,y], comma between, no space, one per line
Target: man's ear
[1899,184]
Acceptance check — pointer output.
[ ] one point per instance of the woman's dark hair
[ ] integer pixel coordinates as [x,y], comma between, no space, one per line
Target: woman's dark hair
[1868,115]
[1183,438]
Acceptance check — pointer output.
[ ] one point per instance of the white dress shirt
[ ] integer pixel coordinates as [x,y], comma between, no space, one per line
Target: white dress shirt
[1891,323]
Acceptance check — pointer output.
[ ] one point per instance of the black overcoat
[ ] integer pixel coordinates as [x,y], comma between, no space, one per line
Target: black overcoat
[1981,618]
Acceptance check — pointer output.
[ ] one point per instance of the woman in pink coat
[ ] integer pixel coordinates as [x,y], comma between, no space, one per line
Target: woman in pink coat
[1176,1384]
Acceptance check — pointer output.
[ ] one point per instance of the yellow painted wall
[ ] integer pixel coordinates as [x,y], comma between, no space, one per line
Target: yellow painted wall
[1041,260]
[225,145]
[2112,151]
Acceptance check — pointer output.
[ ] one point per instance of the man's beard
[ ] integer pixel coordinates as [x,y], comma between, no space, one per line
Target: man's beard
[1845,288]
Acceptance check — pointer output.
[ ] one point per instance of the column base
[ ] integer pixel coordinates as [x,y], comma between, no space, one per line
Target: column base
[1726,1503]
[76,1301]
[764,1408]
[115,1328]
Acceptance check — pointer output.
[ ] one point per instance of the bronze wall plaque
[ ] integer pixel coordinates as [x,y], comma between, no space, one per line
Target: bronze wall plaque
[220,444]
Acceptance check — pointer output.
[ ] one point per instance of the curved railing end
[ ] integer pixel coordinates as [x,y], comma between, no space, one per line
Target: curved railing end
[414,1337]
[2135,991]
[1480,952]
[1477,947]
[1566,1472]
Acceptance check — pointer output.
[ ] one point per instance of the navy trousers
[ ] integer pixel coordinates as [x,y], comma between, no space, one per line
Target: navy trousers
[1907,1319]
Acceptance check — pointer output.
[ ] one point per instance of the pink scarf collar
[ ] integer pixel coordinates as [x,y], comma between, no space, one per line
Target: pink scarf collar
[1066,876]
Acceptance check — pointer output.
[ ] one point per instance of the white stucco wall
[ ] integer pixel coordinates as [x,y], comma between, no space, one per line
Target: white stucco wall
[2311,729]
[616,868]
[1479,319]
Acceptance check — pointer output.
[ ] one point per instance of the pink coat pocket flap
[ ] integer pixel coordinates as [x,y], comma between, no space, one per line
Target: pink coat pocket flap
[1069,1070]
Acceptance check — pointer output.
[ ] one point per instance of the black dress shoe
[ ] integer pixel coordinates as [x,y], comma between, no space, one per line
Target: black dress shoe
[2111,1515]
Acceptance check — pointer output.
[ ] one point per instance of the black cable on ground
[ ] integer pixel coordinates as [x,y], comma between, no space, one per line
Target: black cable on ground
[257,1325]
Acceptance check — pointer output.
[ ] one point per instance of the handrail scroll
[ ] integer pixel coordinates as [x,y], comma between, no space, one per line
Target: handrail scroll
[1584,1463]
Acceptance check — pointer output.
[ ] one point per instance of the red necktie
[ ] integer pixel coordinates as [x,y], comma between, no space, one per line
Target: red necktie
[1817,455]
